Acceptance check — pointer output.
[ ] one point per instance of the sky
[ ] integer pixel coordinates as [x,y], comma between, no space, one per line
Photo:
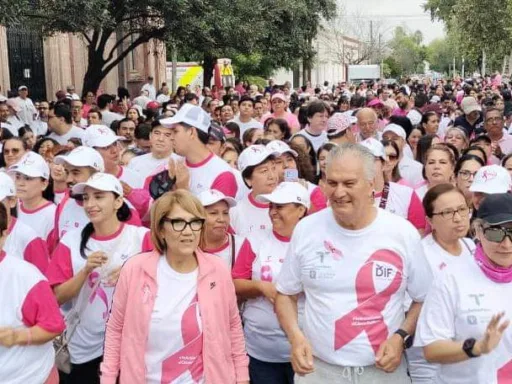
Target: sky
[392,13]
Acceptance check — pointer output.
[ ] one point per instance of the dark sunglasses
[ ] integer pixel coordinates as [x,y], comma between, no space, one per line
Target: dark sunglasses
[497,234]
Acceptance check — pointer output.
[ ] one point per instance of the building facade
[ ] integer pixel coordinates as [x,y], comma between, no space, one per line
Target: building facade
[47,65]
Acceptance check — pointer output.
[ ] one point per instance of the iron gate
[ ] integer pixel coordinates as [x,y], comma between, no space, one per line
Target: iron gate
[26,61]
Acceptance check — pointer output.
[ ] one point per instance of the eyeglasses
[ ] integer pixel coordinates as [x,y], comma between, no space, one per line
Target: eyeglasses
[13,151]
[179,225]
[465,175]
[392,157]
[497,234]
[494,120]
[449,214]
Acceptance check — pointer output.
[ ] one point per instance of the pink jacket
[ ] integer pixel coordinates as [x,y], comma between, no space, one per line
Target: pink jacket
[224,356]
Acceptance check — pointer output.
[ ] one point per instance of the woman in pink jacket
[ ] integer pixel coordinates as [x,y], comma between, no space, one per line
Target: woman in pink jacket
[174,316]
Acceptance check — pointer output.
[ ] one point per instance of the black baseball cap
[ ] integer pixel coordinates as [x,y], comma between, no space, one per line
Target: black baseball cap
[496,209]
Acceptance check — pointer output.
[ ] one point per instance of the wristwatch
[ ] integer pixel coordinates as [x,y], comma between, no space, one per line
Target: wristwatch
[468,346]
[408,339]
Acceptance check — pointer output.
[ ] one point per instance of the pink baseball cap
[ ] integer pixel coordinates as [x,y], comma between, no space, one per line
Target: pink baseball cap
[279,96]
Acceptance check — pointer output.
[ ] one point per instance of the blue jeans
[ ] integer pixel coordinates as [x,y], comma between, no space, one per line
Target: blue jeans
[262,372]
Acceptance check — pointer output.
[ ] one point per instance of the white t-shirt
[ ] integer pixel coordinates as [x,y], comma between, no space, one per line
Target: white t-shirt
[459,306]
[147,164]
[175,341]
[354,282]
[73,133]
[87,341]
[411,170]
[421,190]
[242,190]
[439,260]
[41,220]
[249,216]
[39,127]
[253,123]
[131,177]
[212,173]
[108,117]
[316,140]
[27,110]
[260,259]
[226,251]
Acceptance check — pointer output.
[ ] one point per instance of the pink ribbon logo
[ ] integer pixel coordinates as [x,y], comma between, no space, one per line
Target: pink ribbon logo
[335,252]
[266,273]
[505,374]
[190,357]
[99,291]
[367,317]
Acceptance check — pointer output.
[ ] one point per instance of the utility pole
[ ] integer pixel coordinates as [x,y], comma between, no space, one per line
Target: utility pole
[463,68]
[371,42]
[174,73]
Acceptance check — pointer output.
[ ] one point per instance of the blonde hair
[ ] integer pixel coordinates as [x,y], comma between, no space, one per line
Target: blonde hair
[164,205]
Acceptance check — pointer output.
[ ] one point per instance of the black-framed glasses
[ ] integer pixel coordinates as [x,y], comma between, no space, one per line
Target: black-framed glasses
[465,175]
[449,214]
[497,234]
[179,225]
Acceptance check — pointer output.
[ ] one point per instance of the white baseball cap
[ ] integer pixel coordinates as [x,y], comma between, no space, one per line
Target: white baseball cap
[285,193]
[7,187]
[100,181]
[32,165]
[82,157]
[101,136]
[414,116]
[396,129]
[375,147]
[189,114]
[469,104]
[281,147]
[212,196]
[491,179]
[254,155]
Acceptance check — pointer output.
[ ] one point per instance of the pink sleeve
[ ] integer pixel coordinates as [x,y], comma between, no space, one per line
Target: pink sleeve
[243,264]
[135,218]
[36,253]
[114,330]
[140,199]
[60,269]
[226,183]
[416,213]
[40,308]
[318,200]
[147,244]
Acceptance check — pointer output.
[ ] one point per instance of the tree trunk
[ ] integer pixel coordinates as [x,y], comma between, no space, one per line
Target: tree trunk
[208,69]
[94,74]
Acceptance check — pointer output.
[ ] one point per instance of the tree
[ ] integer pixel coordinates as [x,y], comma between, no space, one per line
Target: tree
[407,51]
[440,54]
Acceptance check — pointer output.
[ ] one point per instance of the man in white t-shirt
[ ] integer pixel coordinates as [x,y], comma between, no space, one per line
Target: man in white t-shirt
[40,123]
[245,119]
[27,111]
[107,116]
[161,151]
[354,263]
[316,130]
[60,124]
[150,88]
[190,131]
[411,170]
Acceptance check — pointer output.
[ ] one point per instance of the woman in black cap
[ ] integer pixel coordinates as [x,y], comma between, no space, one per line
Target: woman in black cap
[462,325]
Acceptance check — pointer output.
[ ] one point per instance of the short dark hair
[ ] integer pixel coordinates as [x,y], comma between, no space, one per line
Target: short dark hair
[95,110]
[434,193]
[103,101]
[142,131]
[316,107]
[63,110]
[246,98]
[190,96]
[492,109]
[467,157]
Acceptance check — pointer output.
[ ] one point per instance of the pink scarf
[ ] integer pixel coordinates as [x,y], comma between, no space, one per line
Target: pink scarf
[495,273]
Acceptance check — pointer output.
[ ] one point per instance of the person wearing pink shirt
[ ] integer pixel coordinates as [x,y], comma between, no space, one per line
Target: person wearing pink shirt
[29,320]
[279,103]
[174,317]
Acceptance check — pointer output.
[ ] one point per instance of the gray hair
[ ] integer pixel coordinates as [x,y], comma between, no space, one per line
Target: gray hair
[354,150]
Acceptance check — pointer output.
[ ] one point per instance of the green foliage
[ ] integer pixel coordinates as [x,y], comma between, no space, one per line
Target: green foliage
[440,54]
[407,52]
[391,68]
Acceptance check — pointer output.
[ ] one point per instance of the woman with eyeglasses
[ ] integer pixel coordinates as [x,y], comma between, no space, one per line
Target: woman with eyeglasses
[465,171]
[463,324]
[175,317]
[29,320]
[12,151]
[256,269]
[85,267]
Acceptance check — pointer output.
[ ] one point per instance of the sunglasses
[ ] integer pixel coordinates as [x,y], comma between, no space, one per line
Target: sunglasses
[497,234]
[393,157]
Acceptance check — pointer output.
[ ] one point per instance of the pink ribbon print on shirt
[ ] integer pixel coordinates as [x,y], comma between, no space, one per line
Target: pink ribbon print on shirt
[190,356]
[335,252]
[98,292]
[367,317]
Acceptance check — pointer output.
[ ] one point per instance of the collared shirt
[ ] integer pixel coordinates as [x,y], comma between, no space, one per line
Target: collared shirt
[468,127]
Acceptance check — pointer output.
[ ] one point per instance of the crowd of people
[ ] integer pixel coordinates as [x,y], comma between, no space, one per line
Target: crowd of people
[337,234]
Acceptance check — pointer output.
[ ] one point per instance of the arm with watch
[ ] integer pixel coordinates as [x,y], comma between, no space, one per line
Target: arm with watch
[390,352]
[453,351]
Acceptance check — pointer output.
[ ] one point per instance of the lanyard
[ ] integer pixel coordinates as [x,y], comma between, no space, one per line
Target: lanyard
[384,198]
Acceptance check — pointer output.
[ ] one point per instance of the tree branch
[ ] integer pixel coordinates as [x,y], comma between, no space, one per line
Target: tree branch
[140,40]
[86,37]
